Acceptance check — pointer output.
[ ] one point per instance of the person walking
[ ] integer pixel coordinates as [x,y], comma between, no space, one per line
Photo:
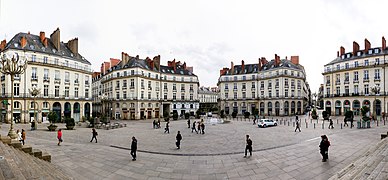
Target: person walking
[351,123]
[297,125]
[188,123]
[331,124]
[193,128]
[23,136]
[154,124]
[199,127]
[248,146]
[178,140]
[346,122]
[167,128]
[19,136]
[324,148]
[133,148]
[59,136]
[158,123]
[203,127]
[94,135]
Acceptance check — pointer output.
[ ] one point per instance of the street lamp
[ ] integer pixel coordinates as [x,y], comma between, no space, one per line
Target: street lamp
[376,90]
[315,99]
[104,98]
[12,66]
[34,92]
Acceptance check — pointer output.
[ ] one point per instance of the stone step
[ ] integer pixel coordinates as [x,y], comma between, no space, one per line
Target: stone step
[29,168]
[26,148]
[46,157]
[16,144]
[6,140]
[11,168]
[37,153]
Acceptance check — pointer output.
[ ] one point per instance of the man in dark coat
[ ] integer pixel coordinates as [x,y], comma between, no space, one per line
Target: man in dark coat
[178,140]
[248,146]
[324,148]
[133,148]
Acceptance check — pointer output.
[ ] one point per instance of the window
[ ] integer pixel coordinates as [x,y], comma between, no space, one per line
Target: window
[243,86]
[366,89]
[191,96]
[86,80]
[191,87]
[235,86]
[270,93]
[366,75]
[253,85]
[33,58]
[76,77]
[157,96]
[117,95]
[57,75]
[355,89]
[327,80]
[174,87]
[149,85]
[132,72]
[142,95]
[16,105]
[142,84]
[253,95]
[149,95]
[45,105]
[67,92]
[244,78]
[124,83]
[253,77]
[183,87]
[376,50]
[165,86]
[277,92]
[86,93]
[16,89]
[56,91]
[226,95]
[132,84]
[377,74]
[67,77]
[269,84]
[182,79]
[226,87]
[377,61]
[174,78]
[337,78]
[157,86]
[244,95]
[262,85]
[235,78]
[366,62]
[286,83]
[292,93]
[124,94]
[355,63]
[117,84]
[285,72]
[235,95]
[328,92]
[182,96]
[45,90]
[286,92]
[165,96]
[45,59]
[3,89]
[347,90]
[292,83]
[346,77]
[66,63]
[355,76]
[276,83]
[338,67]
[346,65]
[299,84]
[33,73]
[45,74]
[76,92]
[174,96]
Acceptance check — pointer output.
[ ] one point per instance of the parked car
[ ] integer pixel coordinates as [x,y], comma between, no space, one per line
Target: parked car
[209,114]
[267,122]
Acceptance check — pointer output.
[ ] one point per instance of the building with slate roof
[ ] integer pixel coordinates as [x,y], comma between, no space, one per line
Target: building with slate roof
[275,88]
[57,69]
[208,98]
[143,88]
[350,77]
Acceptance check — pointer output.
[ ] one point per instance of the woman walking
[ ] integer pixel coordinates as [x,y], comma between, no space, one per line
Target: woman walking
[94,135]
[59,136]
[23,136]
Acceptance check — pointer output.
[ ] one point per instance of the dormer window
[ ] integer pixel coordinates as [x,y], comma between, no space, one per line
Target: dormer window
[370,51]
[32,46]
[359,53]
[348,55]
[377,50]
[338,67]
[343,56]
[16,44]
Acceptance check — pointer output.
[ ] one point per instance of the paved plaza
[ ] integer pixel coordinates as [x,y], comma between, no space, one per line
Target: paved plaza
[279,152]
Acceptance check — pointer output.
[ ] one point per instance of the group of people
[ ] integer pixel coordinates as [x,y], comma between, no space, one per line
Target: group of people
[156,124]
[201,126]
[21,135]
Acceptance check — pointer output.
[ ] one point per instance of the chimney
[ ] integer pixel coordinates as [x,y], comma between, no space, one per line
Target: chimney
[242,66]
[342,50]
[45,42]
[223,71]
[156,60]
[384,44]
[73,46]
[367,45]
[172,64]
[277,60]
[3,44]
[231,67]
[55,38]
[184,65]
[42,36]
[337,53]
[23,41]
[123,59]
[356,48]
[102,68]
[259,64]
[295,60]
[286,58]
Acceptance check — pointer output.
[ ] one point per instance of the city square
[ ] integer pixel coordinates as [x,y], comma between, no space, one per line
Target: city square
[278,152]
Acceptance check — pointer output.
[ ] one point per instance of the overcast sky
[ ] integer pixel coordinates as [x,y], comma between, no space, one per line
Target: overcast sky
[206,34]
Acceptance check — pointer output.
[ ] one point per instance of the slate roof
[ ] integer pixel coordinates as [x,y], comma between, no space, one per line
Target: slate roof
[142,63]
[254,68]
[34,44]
[363,55]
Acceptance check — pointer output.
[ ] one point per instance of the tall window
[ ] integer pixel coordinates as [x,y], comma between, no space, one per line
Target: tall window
[182,96]
[366,62]
[286,92]
[45,105]
[355,76]
[56,61]
[165,86]
[235,86]
[45,59]
[46,74]
[86,80]
[355,89]
[191,96]
[191,87]
[33,73]
[157,86]
[347,90]
[327,91]
[33,58]
[56,91]
[226,95]
[174,87]
[86,93]
[270,93]
[346,77]
[132,84]
[45,90]
[338,90]
[355,63]
[16,89]
[57,75]
[269,84]
[262,85]
[66,91]
[149,85]
[67,77]
[253,85]
[366,89]
[243,86]
[366,75]
[235,95]
[3,89]
[165,96]
[76,77]
[183,87]
[149,95]
[253,95]
[277,92]
[286,82]
[226,86]
[174,96]
[76,92]
[276,83]
[377,74]
[244,95]
[124,83]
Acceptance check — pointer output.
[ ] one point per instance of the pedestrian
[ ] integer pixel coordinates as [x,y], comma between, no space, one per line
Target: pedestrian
[154,124]
[158,123]
[331,124]
[199,127]
[94,135]
[178,140]
[254,120]
[19,136]
[346,122]
[23,136]
[167,128]
[248,146]
[193,128]
[203,128]
[59,136]
[133,148]
[297,125]
[351,123]
[188,123]
[296,118]
[324,148]
[33,125]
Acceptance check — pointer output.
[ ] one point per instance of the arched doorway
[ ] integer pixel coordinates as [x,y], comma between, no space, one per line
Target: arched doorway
[299,107]
[87,110]
[356,107]
[292,107]
[117,111]
[262,108]
[125,111]
[286,107]
[269,108]
[57,109]
[227,108]
[338,108]
[346,106]
[76,112]
[277,108]
[328,107]
[67,111]
[17,110]
[378,107]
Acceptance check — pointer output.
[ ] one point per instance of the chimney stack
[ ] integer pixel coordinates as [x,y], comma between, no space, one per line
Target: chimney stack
[3,44]
[295,60]
[55,38]
[259,64]
[231,67]
[156,60]
[184,65]
[342,50]
[277,60]
[73,46]
[242,66]
[384,44]
[23,41]
[223,71]
[367,45]
[356,48]
[42,36]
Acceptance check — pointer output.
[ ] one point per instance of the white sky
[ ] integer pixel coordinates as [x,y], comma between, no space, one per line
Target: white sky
[207,34]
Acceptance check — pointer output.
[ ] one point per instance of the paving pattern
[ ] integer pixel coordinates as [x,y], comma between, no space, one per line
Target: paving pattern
[279,152]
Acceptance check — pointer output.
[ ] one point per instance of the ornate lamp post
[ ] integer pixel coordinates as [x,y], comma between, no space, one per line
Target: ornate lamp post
[12,66]
[376,90]
[35,92]
[104,98]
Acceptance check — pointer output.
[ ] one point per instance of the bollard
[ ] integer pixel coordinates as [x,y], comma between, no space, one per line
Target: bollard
[337,121]
[314,125]
[341,125]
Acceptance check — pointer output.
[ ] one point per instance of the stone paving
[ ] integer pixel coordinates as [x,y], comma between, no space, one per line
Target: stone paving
[279,152]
